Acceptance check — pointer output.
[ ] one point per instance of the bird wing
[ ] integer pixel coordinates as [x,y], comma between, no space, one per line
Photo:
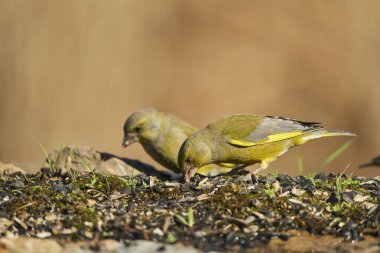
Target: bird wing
[252,130]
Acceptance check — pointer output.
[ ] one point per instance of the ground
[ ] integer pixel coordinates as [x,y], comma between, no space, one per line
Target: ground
[276,212]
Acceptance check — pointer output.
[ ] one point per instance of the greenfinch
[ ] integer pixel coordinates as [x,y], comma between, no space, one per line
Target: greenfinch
[161,134]
[246,140]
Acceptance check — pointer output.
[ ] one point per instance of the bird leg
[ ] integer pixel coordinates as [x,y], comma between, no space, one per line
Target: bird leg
[264,165]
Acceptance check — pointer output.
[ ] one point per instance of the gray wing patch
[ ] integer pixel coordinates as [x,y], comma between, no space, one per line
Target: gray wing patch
[277,125]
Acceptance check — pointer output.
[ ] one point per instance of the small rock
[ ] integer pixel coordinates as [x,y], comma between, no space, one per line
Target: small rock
[86,159]
[297,192]
[259,215]
[30,245]
[91,202]
[44,234]
[172,184]
[295,201]
[254,228]
[158,231]
[51,217]
[10,168]
[287,193]
[360,198]
[200,233]
[276,186]
[373,208]
[115,166]
[202,197]
[4,224]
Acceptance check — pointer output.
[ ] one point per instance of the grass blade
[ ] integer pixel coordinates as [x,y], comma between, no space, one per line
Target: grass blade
[47,157]
[182,220]
[190,217]
[337,153]
[300,165]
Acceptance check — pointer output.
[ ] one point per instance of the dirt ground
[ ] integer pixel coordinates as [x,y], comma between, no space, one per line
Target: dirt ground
[277,212]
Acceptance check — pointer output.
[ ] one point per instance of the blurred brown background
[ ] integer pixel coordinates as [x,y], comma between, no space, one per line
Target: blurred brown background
[72,71]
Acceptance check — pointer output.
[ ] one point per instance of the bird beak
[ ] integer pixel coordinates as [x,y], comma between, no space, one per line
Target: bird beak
[129,139]
[188,173]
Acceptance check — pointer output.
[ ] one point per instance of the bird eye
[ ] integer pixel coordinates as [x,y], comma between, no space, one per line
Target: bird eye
[137,128]
[188,160]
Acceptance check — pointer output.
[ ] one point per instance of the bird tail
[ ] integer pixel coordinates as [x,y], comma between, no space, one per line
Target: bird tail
[319,134]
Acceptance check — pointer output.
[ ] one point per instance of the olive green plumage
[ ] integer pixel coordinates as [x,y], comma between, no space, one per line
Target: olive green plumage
[245,140]
[161,134]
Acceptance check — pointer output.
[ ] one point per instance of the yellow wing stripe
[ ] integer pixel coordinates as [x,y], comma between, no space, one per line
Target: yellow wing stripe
[241,143]
[270,138]
[228,165]
[283,136]
[212,170]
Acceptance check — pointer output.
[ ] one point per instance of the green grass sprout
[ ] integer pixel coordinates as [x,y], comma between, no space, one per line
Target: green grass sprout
[337,153]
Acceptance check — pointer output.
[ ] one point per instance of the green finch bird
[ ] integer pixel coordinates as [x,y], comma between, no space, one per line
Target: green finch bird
[245,140]
[161,135]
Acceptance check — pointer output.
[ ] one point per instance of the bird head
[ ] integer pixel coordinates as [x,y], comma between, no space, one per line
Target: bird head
[194,154]
[141,126]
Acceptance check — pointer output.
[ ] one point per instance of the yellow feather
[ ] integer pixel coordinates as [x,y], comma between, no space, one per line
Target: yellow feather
[241,143]
[228,165]
[283,136]
[271,138]
[211,170]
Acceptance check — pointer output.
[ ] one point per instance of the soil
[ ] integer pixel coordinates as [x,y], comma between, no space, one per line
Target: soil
[276,212]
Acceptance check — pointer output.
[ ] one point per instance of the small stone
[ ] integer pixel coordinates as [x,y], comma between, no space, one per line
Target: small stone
[200,233]
[297,192]
[257,203]
[152,181]
[287,193]
[368,205]
[68,231]
[259,215]
[295,201]
[360,198]
[91,202]
[254,228]
[172,184]
[51,217]
[202,197]
[276,186]
[373,208]
[88,224]
[334,222]
[44,234]
[4,224]
[249,219]
[158,231]
[88,234]
[341,224]
[10,168]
